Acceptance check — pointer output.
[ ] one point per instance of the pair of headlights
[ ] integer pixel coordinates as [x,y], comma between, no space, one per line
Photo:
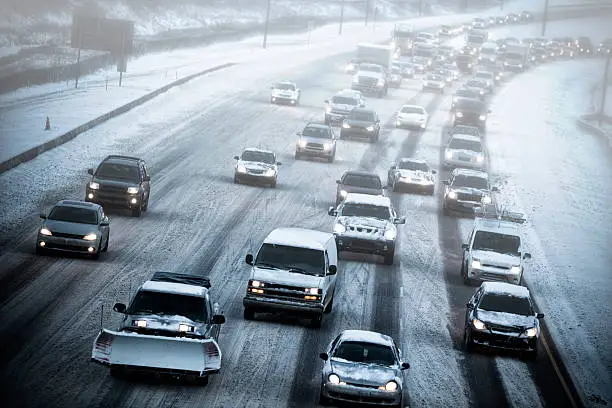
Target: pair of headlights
[481,117]
[478,325]
[391,386]
[241,168]
[347,126]
[130,190]
[476,264]
[389,234]
[89,237]
[183,328]
[453,196]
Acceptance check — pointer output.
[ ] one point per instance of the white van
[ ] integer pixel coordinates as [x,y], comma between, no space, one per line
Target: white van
[294,272]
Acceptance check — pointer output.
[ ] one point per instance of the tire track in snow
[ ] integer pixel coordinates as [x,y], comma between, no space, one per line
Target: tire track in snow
[520,393]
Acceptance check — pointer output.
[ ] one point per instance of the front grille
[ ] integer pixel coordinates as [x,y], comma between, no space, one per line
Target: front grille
[255,171]
[367,230]
[112,189]
[468,197]
[64,235]
[493,277]
[315,146]
[496,266]
[502,329]
[367,81]
[284,292]
[339,111]
[375,387]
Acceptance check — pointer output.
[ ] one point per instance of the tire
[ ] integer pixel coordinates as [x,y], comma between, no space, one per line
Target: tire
[297,157]
[106,245]
[531,355]
[331,158]
[389,257]
[330,305]
[236,181]
[137,212]
[394,187]
[445,211]
[466,279]
[468,345]
[248,314]
[431,191]
[96,256]
[323,400]
[40,251]
[273,184]
[146,205]
[315,321]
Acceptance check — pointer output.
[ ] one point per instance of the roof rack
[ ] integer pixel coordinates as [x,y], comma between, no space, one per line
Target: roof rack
[493,212]
[181,278]
[118,156]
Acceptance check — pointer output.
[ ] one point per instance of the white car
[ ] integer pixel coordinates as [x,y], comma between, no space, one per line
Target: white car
[413,174]
[487,77]
[434,83]
[285,92]
[465,151]
[412,116]
[256,166]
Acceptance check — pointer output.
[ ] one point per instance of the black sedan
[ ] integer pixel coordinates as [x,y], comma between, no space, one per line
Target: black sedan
[471,112]
[362,123]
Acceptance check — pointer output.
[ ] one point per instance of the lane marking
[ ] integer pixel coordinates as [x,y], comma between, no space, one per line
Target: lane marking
[558,372]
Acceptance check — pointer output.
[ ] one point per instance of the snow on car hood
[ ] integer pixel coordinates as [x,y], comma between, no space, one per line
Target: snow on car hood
[505,319]
[496,258]
[283,277]
[366,374]
[361,190]
[342,107]
[369,74]
[415,174]
[70,227]
[256,165]
[163,322]
[411,116]
[363,222]
[468,190]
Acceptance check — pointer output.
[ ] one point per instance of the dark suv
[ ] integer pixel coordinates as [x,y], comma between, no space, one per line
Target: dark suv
[362,123]
[471,112]
[120,181]
[363,182]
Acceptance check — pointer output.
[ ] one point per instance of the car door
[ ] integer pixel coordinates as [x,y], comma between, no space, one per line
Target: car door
[329,281]
[145,181]
[104,229]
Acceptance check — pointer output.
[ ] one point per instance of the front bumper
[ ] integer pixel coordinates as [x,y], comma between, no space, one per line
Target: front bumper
[265,304]
[403,184]
[506,341]
[315,152]
[460,206]
[438,88]
[68,244]
[169,372]
[357,132]
[112,199]
[254,178]
[493,274]
[361,394]
[335,117]
[367,88]
[465,164]
[364,245]
[411,123]
[283,99]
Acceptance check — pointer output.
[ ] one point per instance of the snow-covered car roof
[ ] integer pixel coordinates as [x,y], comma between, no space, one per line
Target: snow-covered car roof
[255,149]
[357,198]
[412,160]
[504,288]
[349,92]
[175,288]
[365,336]
[462,136]
[470,172]
[74,203]
[497,226]
[299,237]
[284,83]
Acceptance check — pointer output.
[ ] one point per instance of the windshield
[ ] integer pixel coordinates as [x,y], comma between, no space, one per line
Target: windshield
[361,180]
[362,115]
[74,214]
[366,353]
[475,39]
[256,156]
[365,210]
[416,166]
[462,144]
[470,105]
[421,52]
[478,183]
[316,132]
[496,242]
[513,56]
[344,100]
[488,51]
[285,87]
[301,260]
[117,171]
[466,130]
[497,302]
[483,75]
[169,304]
[412,109]
[466,93]
[370,68]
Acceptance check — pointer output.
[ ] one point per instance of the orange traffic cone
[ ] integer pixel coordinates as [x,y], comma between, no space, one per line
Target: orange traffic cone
[48,124]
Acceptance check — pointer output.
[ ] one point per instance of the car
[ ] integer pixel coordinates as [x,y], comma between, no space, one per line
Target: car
[584,46]
[74,226]
[539,55]
[366,224]
[420,64]
[120,181]
[471,50]
[488,53]
[500,20]
[486,76]
[352,66]
[554,49]
[341,104]
[426,37]
[412,116]
[293,272]
[395,77]
[452,67]
[496,73]
[362,123]
[171,327]
[491,21]
[407,69]
[285,92]
[465,62]
[525,16]
[448,76]
[471,112]
[479,23]
[513,18]
[501,315]
[495,248]
[316,140]
[445,31]
[477,85]
[464,93]
[256,166]
[465,130]
[355,181]
[363,366]
[411,174]
[605,47]
[466,190]
[434,83]
[465,151]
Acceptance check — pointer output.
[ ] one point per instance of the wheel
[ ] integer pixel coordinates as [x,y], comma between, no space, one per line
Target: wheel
[316,320]
[431,191]
[105,249]
[389,257]
[297,102]
[248,314]
[466,278]
[394,187]
[445,211]
[236,181]
[40,251]
[531,355]
[462,272]
[273,184]
[327,120]
[297,156]
[331,158]
[468,344]
[146,205]
[323,400]
[96,255]
[330,305]
[137,211]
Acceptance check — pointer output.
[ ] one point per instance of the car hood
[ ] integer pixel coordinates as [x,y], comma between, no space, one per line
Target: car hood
[311,139]
[365,374]
[464,151]
[342,107]
[362,123]
[366,222]
[369,74]
[283,277]
[114,182]
[470,111]
[362,190]
[469,190]
[163,322]
[415,174]
[283,91]
[412,116]
[496,258]
[505,319]
[70,227]
[256,165]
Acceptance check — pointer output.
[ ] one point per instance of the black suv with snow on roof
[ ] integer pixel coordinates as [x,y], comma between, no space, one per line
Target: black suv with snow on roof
[120,181]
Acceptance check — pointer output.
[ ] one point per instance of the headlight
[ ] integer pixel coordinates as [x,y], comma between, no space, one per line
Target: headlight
[497,78]
[391,386]
[133,190]
[90,237]
[532,332]
[45,231]
[270,173]
[328,109]
[516,269]
[425,83]
[339,229]
[241,168]
[380,82]
[139,323]
[480,158]
[346,125]
[370,128]
[459,114]
[478,325]
[355,79]
[448,155]
[452,195]
[343,193]
[327,146]
[333,379]
[185,328]
[486,200]
[482,92]
[476,264]
[302,143]
[390,234]
[469,65]
[94,186]
[313,291]
[257,284]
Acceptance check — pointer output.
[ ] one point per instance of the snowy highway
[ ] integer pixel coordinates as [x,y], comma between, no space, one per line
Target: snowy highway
[199,222]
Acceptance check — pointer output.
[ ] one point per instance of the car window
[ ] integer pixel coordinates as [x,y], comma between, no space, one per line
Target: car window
[471,104]
[363,115]
[257,156]
[345,100]
[479,183]
[365,210]
[366,353]
[497,302]
[117,171]
[416,166]
[466,130]
[168,304]
[462,144]
[412,109]
[302,260]
[362,180]
[493,241]
[285,87]
[74,214]
[317,132]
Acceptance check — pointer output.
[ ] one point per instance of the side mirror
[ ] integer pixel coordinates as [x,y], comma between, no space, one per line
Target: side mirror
[43,215]
[119,308]
[90,171]
[147,178]
[539,315]
[332,270]
[400,220]
[236,158]
[434,172]
[278,163]
[326,101]
[526,255]
[446,182]
[323,356]
[332,211]
[218,319]
[338,181]
[405,365]
[465,246]
[105,222]
[495,189]
[470,306]
[249,259]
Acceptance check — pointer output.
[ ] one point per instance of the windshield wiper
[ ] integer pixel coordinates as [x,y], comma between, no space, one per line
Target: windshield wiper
[266,265]
[299,270]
